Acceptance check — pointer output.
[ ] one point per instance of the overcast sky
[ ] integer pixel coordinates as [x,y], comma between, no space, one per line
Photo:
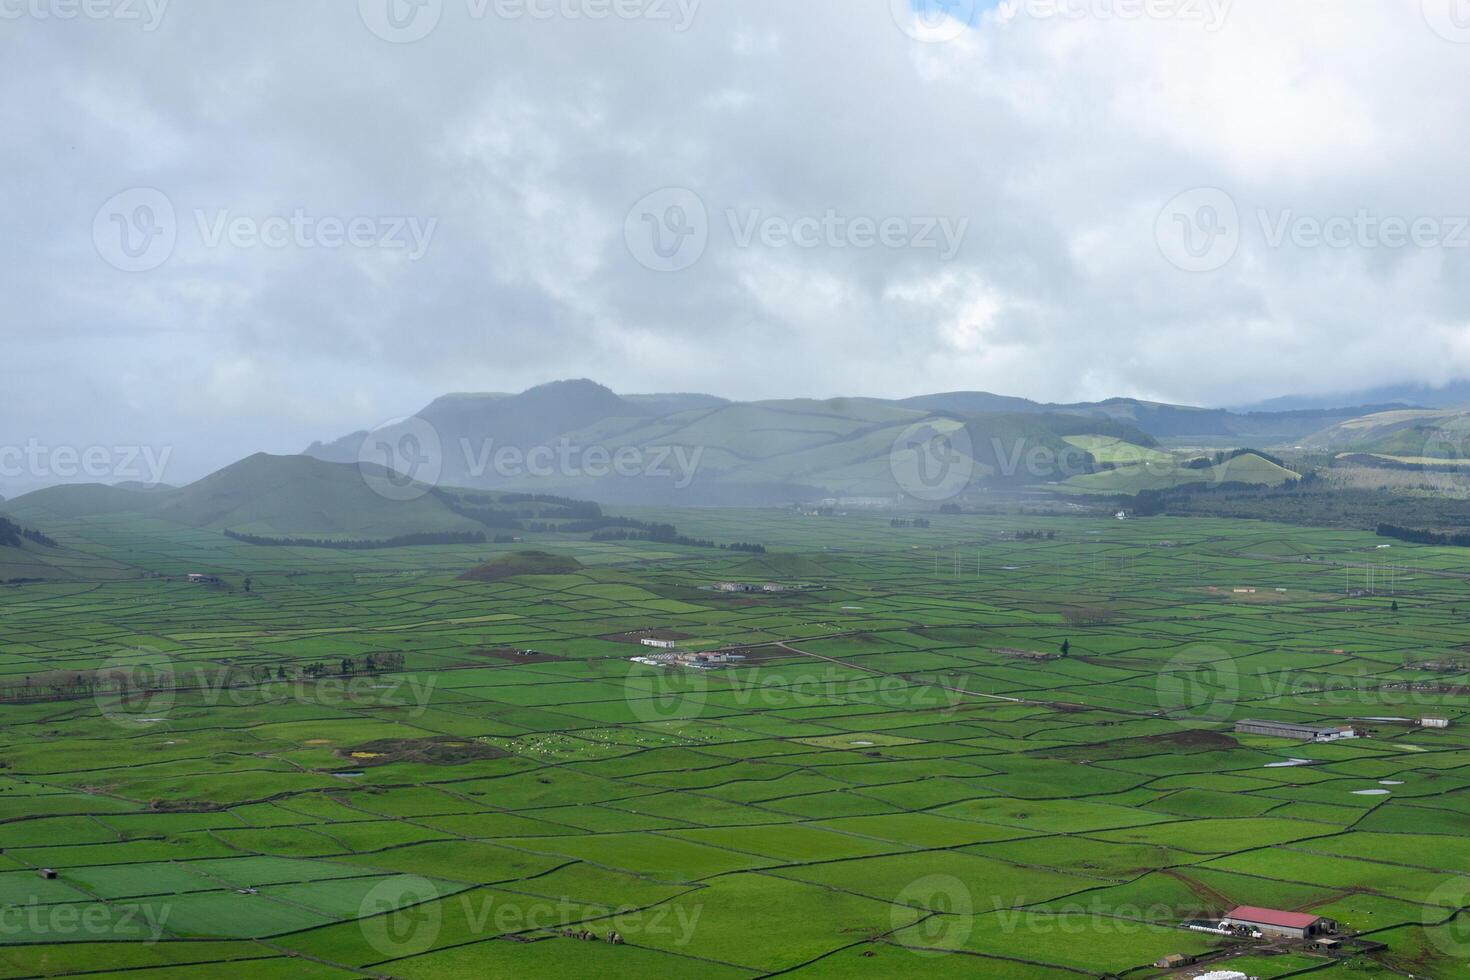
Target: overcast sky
[1192,200]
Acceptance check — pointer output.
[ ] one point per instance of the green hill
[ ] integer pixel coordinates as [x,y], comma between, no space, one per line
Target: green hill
[1417,436]
[264,495]
[284,497]
[684,449]
[695,449]
[523,563]
[29,554]
[289,495]
[1177,471]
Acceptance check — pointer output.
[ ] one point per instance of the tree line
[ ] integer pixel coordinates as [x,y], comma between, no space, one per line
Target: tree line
[12,534]
[62,684]
[401,541]
[1453,539]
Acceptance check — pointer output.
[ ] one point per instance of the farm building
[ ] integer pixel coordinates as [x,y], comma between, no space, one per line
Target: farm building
[1273,922]
[1434,722]
[1173,961]
[736,587]
[649,641]
[201,578]
[1036,655]
[683,658]
[46,873]
[1302,733]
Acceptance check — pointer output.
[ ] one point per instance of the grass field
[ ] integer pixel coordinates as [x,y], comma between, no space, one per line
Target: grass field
[885,787]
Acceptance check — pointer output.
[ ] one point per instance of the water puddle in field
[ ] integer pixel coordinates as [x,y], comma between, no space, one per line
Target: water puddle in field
[864,744]
[1390,782]
[1010,568]
[347,775]
[1289,763]
[851,608]
[1370,792]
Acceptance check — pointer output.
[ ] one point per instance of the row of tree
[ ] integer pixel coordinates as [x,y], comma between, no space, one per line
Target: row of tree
[1454,539]
[61,684]
[401,541]
[12,534]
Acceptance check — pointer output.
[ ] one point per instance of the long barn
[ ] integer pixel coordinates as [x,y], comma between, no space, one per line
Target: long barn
[1272,922]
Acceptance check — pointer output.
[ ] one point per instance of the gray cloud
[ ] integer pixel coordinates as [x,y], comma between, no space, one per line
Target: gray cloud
[528,140]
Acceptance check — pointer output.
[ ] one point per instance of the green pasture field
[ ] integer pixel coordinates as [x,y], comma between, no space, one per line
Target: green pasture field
[885,787]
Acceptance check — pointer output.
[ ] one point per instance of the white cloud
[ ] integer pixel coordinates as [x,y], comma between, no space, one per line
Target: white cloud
[528,141]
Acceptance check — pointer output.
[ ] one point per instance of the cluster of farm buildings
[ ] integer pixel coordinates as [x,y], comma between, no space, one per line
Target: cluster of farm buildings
[1317,933]
[1301,733]
[749,587]
[674,657]
[1322,733]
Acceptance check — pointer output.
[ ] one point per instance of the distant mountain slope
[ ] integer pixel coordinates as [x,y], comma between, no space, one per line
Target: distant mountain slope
[301,497]
[1408,435]
[660,405]
[1247,468]
[697,449]
[531,418]
[262,494]
[560,438]
[1453,395]
[78,500]
[30,554]
[1163,421]
[971,403]
[288,495]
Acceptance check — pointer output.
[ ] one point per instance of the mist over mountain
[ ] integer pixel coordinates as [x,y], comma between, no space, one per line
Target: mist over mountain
[582,439]
[1456,394]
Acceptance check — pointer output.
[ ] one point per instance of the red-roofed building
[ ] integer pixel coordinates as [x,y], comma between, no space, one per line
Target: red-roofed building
[1272,922]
